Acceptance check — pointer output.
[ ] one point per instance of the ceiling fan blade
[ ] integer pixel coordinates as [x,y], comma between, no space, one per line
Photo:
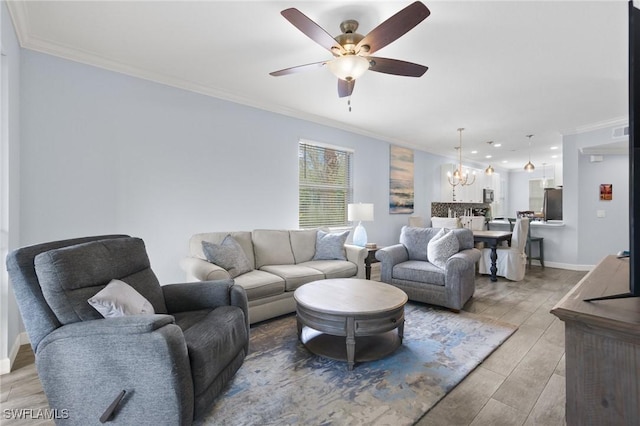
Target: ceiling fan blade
[345,88]
[312,30]
[396,67]
[299,68]
[394,27]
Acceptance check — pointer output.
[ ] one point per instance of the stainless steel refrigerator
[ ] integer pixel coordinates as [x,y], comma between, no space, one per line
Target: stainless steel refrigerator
[552,206]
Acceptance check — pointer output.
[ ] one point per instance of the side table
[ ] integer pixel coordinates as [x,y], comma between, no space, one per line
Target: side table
[371,258]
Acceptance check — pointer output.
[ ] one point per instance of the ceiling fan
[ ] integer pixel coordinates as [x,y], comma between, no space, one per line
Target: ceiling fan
[352,50]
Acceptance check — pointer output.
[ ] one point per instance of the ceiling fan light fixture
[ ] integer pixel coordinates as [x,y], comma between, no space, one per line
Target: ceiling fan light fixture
[348,67]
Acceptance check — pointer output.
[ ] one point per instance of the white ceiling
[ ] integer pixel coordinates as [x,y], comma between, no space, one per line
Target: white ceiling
[499,69]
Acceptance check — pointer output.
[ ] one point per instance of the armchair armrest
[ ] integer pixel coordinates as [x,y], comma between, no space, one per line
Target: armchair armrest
[83,365]
[356,254]
[197,295]
[463,260]
[389,257]
[199,269]
[129,325]
[205,295]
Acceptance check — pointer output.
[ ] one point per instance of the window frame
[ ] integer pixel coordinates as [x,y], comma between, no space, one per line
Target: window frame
[308,216]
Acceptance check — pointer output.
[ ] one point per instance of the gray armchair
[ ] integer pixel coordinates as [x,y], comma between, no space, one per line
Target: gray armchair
[172,364]
[406,266]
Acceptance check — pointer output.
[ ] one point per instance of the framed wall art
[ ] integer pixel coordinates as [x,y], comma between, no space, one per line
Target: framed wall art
[401,193]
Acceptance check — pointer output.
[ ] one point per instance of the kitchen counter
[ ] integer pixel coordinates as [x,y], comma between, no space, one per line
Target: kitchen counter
[534,223]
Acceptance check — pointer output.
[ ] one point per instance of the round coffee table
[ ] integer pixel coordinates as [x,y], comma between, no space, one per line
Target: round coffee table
[364,312]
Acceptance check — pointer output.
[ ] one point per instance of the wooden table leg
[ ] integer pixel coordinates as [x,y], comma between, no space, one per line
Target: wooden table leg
[494,267]
[351,341]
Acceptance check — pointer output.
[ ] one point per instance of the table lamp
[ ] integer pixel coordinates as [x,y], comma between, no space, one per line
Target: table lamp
[360,212]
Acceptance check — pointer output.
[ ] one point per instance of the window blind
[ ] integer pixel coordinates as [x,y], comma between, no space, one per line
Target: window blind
[324,185]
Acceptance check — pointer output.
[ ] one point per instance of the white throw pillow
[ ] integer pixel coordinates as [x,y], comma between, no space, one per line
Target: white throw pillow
[119,299]
[441,247]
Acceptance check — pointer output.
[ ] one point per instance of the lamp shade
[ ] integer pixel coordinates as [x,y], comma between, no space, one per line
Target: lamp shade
[360,212]
[348,67]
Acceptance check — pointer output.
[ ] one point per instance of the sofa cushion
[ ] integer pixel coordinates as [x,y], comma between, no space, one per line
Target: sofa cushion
[272,247]
[229,255]
[330,246]
[416,240]
[213,339]
[419,271]
[242,237]
[294,275]
[333,268]
[119,299]
[259,284]
[303,244]
[442,247]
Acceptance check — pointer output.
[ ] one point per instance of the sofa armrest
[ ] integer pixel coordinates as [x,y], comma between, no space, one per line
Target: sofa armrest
[84,365]
[201,270]
[356,254]
[389,257]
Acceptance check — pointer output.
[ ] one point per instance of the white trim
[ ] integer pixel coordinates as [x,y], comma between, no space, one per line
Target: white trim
[614,122]
[567,266]
[7,363]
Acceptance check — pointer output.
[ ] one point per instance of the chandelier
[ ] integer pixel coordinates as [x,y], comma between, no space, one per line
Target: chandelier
[460,177]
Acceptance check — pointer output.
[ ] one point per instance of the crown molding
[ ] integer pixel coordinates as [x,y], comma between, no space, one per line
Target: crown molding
[614,122]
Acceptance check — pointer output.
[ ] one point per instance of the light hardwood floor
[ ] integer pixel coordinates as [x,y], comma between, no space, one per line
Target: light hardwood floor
[521,383]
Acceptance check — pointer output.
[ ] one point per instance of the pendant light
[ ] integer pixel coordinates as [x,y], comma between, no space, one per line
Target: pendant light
[529,167]
[489,170]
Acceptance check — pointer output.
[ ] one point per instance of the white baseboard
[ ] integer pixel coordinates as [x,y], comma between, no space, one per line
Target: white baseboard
[568,266]
[7,363]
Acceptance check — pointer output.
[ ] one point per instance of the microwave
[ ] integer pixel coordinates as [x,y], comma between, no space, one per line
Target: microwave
[487,195]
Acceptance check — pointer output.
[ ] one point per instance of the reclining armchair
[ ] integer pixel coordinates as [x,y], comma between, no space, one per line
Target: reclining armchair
[160,368]
[408,267]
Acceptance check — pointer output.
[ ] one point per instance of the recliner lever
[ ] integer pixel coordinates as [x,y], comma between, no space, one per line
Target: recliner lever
[106,416]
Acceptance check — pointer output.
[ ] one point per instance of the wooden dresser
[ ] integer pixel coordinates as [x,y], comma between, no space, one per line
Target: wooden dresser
[602,341]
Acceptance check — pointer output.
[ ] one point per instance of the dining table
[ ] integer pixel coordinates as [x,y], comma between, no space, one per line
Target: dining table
[492,239]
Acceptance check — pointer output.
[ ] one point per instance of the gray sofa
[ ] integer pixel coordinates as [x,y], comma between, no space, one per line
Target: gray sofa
[407,267]
[281,261]
[172,364]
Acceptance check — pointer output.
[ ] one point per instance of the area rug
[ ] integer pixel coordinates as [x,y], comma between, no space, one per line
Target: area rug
[281,383]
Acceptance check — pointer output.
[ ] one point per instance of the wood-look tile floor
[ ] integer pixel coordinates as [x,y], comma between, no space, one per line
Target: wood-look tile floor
[521,383]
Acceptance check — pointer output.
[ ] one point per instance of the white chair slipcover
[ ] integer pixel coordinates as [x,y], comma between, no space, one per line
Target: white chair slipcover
[416,221]
[512,261]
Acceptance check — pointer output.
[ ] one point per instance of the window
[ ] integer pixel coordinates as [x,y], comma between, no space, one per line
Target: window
[536,193]
[324,184]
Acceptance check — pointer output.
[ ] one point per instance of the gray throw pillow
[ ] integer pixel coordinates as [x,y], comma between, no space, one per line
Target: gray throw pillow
[441,247]
[330,246]
[119,299]
[228,255]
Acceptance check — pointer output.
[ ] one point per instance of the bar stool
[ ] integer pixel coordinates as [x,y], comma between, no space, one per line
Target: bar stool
[540,242]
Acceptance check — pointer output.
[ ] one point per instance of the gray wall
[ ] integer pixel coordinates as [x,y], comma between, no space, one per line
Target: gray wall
[104,152]
[595,237]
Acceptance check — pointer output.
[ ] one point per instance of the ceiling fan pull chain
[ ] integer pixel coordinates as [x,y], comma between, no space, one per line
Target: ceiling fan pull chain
[349,103]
